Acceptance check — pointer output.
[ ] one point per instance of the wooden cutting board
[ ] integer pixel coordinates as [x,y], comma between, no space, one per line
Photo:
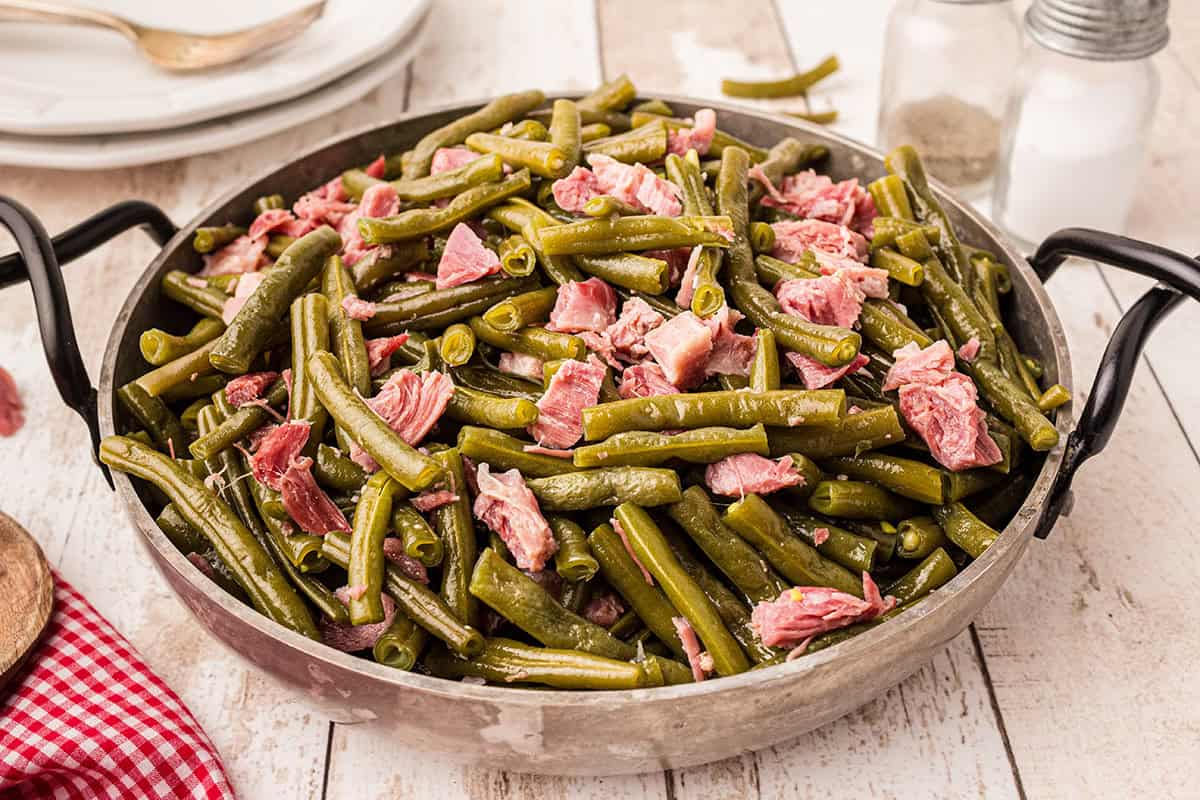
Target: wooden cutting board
[26,596]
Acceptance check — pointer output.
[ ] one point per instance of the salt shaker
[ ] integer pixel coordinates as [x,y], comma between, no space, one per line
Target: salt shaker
[947,68]
[1079,116]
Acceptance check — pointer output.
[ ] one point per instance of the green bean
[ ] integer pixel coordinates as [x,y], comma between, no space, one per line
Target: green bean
[417,222]
[336,471]
[822,408]
[381,264]
[310,334]
[202,386]
[799,562]
[852,435]
[888,327]
[707,294]
[915,244]
[619,234]
[528,220]
[517,256]
[504,452]
[1057,395]
[888,229]
[858,500]
[632,271]
[900,267]
[733,556]
[891,199]
[183,370]
[578,491]
[625,576]
[919,536]
[522,310]
[364,573]
[1011,402]
[608,206]
[517,598]
[493,115]
[933,572]
[238,425]
[153,415]
[297,550]
[505,661]
[267,202]
[685,594]
[853,551]
[764,369]
[786,156]
[762,237]
[206,301]
[905,163]
[278,243]
[457,345]
[720,141]
[647,449]
[808,470]
[485,169]
[415,600]
[185,538]
[249,332]
[411,469]
[816,117]
[489,410]
[594,131]
[211,238]
[400,645]
[545,159]
[965,529]
[416,535]
[537,342]
[456,530]
[612,95]
[250,564]
[159,347]
[575,595]
[904,476]
[573,560]
[565,132]
[966,483]
[345,334]
[948,298]
[417,311]
[797,84]
[642,145]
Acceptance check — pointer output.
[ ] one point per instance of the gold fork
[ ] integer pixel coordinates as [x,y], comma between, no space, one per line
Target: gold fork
[181,52]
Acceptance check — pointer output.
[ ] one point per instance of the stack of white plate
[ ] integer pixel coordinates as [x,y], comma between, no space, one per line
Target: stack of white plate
[81,98]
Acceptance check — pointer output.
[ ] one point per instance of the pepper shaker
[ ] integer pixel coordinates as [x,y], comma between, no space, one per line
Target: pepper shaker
[1079,115]
[947,68]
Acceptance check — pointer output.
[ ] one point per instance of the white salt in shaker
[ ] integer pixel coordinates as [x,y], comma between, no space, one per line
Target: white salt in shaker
[1079,116]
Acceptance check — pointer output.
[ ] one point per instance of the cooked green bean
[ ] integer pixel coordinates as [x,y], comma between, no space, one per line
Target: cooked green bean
[629,270]
[797,84]
[888,229]
[159,347]
[721,140]
[648,449]
[612,95]
[565,134]
[456,530]
[608,206]
[851,435]
[211,238]
[858,500]
[796,560]
[381,264]
[522,310]
[238,425]
[444,306]
[594,131]
[537,342]
[965,529]
[204,300]
[183,370]
[625,576]
[619,234]
[541,158]
[493,115]
[573,560]
[904,476]
[401,644]
[933,572]
[505,452]
[153,415]
[202,386]
[854,552]
[517,256]
[645,144]
[333,469]
[416,535]
[457,345]
[764,369]
[492,411]
[310,334]
[1011,402]
[608,486]
[505,661]
[901,267]
[1057,395]
[788,407]
[906,164]
[365,571]
[919,536]
[762,237]
[419,222]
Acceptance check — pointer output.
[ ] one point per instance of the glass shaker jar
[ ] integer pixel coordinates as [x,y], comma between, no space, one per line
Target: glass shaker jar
[947,69]
[1079,116]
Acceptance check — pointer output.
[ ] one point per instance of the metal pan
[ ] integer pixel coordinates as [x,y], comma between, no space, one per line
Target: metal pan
[596,733]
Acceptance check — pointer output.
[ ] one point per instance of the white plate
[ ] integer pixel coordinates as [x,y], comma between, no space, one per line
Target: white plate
[60,80]
[125,150]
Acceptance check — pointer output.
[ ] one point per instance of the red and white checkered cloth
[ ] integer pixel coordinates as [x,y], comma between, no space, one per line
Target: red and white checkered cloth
[87,718]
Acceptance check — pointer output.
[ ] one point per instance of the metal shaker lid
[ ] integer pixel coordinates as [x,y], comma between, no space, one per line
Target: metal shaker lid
[1101,30]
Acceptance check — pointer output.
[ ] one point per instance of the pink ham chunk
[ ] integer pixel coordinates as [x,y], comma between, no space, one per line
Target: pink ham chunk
[276,452]
[352,638]
[681,346]
[522,365]
[747,473]
[411,405]
[572,192]
[306,503]
[428,501]
[940,405]
[815,375]
[969,350]
[377,168]
[573,388]
[620,531]
[645,380]
[393,551]
[242,291]
[636,185]
[379,200]
[812,196]
[677,259]
[801,613]
[870,281]
[465,259]
[698,137]
[829,300]
[356,308]
[589,305]
[327,204]
[268,221]
[379,352]
[505,504]
[691,647]
[794,238]
[687,281]
[732,352]
[446,159]
[243,254]
[245,388]
[12,407]
[628,333]
[604,610]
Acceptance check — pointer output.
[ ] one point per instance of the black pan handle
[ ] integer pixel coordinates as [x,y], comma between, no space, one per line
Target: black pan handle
[37,259]
[1179,276]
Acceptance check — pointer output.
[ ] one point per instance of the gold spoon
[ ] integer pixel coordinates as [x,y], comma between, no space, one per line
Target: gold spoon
[26,596]
[180,52]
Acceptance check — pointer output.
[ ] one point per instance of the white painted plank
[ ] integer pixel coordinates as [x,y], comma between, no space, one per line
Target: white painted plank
[1085,642]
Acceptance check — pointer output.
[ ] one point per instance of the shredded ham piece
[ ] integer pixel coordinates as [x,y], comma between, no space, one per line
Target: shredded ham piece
[428,501]
[828,300]
[681,346]
[379,352]
[794,238]
[589,305]
[732,353]
[812,196]
[241,255]
[629,549]
[572,192]
[820,536]
[553,452]
[306,502]
[379,200]
[522,365]
[446,159]
[352,638]
[277,451]
[465,259]
[815,375]
[377,168]
[687,282]
[698,137]
[505,504]
[241,293]
[393,551]
[969,349]
[12,407]
[324,205]
[637,185]
[645,380]
[604,609]
[574,387]
[749,473]
[244,388]
[411,405]
[691,647]
[356,308]
[803,612]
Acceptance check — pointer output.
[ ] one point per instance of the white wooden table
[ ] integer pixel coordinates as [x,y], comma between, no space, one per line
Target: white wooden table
[1078,680]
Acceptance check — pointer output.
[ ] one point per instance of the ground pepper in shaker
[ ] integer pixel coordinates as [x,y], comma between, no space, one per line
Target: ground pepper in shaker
[1079,116]
[947,66]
